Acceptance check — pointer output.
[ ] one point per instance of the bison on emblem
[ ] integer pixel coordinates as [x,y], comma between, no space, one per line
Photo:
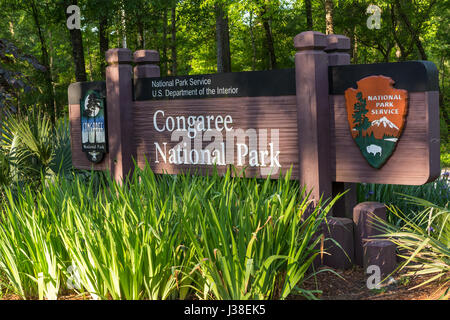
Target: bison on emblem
[374,149]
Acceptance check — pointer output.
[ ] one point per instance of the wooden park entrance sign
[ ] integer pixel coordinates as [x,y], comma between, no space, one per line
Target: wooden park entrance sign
[333,122]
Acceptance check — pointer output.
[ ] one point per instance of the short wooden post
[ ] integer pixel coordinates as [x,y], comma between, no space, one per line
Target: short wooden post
[120,112]
[341,231]
[146,64]
[364,218]
[337,48]
[311,72]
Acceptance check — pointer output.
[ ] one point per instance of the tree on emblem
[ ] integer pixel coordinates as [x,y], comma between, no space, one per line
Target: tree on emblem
[360,121]
[92,106]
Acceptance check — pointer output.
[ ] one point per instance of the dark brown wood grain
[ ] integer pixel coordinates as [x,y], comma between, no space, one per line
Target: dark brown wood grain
[311,75]
[414,162]
[120,115]
[251,112]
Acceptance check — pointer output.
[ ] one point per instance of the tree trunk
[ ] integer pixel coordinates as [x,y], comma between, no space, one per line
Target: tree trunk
[413,32]
[269,38]
[164,43]
[91,70]
[104,43]
[124,28]
[155,44]
[54,104]
[309,21]
[174,41]
[141,44]
[329,16]
[252,37]
[404,53]
[11,29]
[46,63]
[77,49]
[222,40]
[140,34]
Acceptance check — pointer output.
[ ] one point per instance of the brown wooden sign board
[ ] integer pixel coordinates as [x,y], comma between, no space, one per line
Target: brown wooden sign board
[259,121]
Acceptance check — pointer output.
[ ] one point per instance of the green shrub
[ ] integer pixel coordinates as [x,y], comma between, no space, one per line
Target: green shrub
[424,242]
[160,237]
[445,155]
[33,148]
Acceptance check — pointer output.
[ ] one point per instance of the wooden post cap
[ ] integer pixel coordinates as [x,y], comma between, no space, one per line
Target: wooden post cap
[310,40]
[146,56]
[146,64]
[118,55]
[370,206]
[337,42]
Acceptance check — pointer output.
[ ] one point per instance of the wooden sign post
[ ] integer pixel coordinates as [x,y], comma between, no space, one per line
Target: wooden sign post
[313,112]
[265,122]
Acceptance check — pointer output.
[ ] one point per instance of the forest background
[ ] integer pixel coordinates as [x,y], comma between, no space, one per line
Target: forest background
[40,56]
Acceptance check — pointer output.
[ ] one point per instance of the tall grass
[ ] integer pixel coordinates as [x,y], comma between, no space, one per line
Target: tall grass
[424,242]
[159,237]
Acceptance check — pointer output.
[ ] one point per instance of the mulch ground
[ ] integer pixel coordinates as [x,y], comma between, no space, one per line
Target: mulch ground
[352,286]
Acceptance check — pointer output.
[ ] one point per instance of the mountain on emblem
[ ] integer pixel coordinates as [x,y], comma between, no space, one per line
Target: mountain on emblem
[385,122]
[376,114]
[382,127]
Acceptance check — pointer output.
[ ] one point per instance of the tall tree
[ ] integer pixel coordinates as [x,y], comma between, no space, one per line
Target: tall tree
[308,11]
[174,40]
[122,30]
[103,42]
[76,40]
[140,8]
[222,38]
[252,38]
[415,31]
[164,60]
[265,17]
[50,98]
[329,16]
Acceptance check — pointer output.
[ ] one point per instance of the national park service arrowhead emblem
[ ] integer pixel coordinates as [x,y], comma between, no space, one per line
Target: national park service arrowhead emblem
[376,113]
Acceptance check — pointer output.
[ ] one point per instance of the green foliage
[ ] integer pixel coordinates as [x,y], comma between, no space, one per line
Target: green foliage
[12,81]
[31,149]
[160,237]
[437,192]
[445,155]
[423,241]
[147,24]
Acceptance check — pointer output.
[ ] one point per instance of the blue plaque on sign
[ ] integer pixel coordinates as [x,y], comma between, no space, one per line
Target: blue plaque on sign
[93,126]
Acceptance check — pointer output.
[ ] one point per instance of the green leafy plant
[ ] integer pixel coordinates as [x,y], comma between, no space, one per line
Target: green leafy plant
[445,154]
[257,242]
[423,241]
[34,149]
[160,237]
